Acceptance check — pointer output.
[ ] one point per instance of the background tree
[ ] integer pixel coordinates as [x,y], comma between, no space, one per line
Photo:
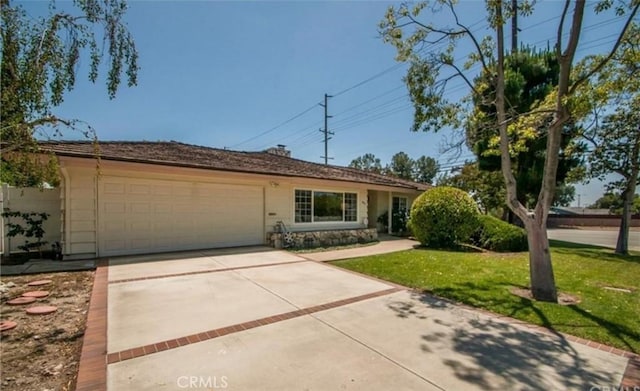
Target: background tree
[39,61]
[616,141]
[425,169]
[565,194]
[367,162]
[401,166]
[486,187]
[431,70]
[614,203]
[530,76]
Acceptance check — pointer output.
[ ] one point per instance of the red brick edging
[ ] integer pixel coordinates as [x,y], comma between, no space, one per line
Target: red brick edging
[631,377]
[92,373]
[210,334]
[226,269]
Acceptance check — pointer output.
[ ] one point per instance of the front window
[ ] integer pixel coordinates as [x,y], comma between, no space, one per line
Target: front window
[325,206]
[303,206]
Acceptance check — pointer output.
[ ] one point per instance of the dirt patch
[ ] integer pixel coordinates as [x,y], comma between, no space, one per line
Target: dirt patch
[43,351]
[563,298]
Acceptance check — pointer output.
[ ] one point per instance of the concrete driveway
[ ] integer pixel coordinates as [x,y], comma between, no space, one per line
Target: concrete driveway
[260,319]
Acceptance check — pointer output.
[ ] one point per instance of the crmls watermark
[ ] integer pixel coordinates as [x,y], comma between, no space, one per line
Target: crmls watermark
[202,382]
[614,388]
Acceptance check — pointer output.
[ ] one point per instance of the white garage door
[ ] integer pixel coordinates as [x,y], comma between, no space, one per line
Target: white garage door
[137,216]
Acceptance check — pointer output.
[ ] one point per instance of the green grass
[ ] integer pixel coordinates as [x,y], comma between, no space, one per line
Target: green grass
[485,279]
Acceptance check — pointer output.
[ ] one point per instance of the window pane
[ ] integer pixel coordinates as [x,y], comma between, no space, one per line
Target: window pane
[327,206]
[303,206]
[350,207]
[399,204]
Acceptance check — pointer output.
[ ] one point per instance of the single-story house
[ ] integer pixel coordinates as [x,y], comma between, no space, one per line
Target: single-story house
[123,198]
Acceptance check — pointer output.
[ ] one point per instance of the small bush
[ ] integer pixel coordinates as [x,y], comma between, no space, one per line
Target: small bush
[443,216]
[496,235]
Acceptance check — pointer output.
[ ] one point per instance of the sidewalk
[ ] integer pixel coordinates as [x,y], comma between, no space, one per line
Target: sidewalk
[388,244]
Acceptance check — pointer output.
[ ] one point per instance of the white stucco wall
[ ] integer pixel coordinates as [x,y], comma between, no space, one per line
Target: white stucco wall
[81,194]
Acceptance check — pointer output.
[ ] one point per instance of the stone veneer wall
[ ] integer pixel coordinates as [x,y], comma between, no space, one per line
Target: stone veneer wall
[311,239]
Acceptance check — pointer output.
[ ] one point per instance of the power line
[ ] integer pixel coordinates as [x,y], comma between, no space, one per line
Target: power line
[277,126]
[377,75]
[372,99]
[360,118]
[380,106]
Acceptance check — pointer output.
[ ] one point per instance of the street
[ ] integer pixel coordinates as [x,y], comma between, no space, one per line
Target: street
[605,238]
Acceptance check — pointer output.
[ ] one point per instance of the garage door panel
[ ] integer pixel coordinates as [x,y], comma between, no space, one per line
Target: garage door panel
[115,207]
[113,188]
[139,207]
[139,189]
[144,216]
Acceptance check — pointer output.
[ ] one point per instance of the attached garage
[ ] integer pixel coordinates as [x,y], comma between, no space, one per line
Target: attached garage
[152,197]
[137,215]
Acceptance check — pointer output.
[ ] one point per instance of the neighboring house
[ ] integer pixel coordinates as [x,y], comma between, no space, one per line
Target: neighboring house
[145,197]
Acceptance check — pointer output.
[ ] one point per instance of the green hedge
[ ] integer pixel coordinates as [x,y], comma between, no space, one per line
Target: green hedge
[443,217]
[496,235]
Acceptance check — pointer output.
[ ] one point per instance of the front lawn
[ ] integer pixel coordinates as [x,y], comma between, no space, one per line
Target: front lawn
[485,280]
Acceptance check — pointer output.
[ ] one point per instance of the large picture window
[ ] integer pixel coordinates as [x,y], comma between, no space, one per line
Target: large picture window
[325,206]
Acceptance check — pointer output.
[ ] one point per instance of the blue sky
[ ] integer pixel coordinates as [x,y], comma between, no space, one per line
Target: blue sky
[221,73]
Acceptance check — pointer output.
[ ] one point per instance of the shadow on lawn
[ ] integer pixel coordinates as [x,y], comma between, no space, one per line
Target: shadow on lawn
[463,293]
[493,353]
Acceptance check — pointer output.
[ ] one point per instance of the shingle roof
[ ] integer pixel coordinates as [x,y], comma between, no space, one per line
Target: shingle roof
[172,153]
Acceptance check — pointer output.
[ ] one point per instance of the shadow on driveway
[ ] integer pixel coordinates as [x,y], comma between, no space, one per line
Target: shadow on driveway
[490,348]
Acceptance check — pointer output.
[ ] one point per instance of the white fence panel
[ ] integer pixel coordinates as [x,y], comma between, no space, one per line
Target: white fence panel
[36,200]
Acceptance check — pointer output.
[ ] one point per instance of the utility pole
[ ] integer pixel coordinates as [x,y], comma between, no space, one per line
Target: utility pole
[514,26]
[326,129]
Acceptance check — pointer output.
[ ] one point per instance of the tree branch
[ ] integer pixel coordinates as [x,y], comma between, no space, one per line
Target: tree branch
[560,28]
[613,51]
[464,77]
[473,37]
[505,156]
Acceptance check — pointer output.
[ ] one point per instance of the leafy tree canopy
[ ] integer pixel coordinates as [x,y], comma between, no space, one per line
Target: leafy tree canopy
[411,31]
[401,166]
[423,170]
[367,162]
[614,202]
[530,76]
[40,57]
[615,138]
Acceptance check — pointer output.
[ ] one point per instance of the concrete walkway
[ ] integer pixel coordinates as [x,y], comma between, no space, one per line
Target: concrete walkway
[387,244]
[256,318]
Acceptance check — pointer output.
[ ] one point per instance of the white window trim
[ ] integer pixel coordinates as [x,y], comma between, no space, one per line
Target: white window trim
[326,223]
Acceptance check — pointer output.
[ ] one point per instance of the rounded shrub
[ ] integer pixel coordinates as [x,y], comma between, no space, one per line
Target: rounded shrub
[443,216]
[497,235]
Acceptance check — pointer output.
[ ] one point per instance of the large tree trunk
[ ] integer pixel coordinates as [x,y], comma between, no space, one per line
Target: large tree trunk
[622,246]
[543,285]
